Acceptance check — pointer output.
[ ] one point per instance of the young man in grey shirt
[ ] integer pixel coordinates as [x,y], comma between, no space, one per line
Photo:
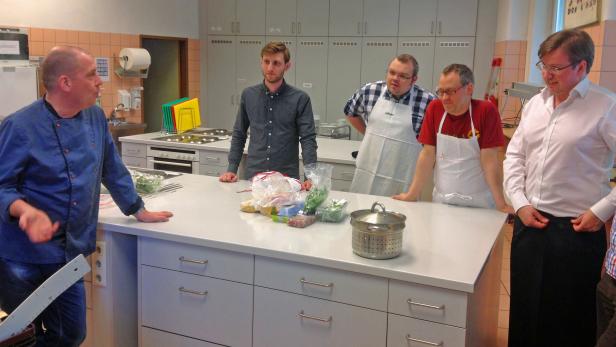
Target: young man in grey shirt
[279,117]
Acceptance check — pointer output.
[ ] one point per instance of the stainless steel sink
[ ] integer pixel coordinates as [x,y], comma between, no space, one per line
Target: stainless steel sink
[124,129]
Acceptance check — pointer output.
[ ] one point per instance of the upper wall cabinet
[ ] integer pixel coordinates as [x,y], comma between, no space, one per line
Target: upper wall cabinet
[363,17]
[297,18]
[236,17]
[438,18]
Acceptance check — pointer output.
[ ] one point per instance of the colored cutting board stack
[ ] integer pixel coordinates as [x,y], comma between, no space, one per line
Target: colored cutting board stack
[181,115]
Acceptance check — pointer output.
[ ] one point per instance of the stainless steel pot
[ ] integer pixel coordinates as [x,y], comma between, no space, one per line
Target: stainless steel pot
[377,234]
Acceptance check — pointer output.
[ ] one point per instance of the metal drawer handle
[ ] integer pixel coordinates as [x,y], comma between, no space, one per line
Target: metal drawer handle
[184,290]
[408,337]
[187,260]
[170,163]
[302,315]
[326,285]
[212,158]
[411,302]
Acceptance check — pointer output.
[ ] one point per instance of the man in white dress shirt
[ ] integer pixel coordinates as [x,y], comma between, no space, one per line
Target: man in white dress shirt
[557,171]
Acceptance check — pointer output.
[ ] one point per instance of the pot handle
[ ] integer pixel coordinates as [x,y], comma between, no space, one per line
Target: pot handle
[377,228]
[376,203]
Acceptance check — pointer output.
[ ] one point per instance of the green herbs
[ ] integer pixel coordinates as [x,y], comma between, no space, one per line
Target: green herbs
[146,183]
[315,197]
[334,211]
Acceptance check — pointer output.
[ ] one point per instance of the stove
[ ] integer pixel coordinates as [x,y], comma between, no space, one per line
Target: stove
[199,137]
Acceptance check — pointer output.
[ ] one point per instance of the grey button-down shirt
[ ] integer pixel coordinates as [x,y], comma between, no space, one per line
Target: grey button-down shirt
[278,122]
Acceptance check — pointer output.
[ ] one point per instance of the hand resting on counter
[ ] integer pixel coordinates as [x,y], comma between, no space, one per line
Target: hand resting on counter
[228,177]
[152,216]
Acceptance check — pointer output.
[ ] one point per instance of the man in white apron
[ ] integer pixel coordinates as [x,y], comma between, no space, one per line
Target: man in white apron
[389,114]
[461,138]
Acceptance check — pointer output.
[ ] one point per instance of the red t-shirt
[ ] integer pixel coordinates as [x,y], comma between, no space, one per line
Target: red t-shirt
[486,119]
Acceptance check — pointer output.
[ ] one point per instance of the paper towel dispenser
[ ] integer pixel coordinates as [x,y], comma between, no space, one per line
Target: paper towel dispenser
[133,62]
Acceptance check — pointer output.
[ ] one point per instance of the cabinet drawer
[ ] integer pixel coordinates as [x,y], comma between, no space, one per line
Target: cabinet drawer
[205,308]
[343,286]
[156,338]
[212,170]
[214,158]
[429,303]
[340,185]
[343,172]
[134,149]
[405,332]
[277,322]
[196,259]
[135,161]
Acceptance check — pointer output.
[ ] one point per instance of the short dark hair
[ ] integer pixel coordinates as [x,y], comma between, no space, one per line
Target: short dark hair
[61,60]
[465,73]
[577,44]
[407,59]
[276,47]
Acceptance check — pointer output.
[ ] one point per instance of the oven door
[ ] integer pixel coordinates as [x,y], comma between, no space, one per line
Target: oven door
[175,165]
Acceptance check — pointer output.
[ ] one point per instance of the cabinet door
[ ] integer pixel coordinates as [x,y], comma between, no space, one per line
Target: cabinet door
[344,67]
[346,18]
[248,67]
[280,17]
[199,307]
[291,43]
[381,17]
[376,53]
[417,18]
[311,71]
[250,15]
[456,17]
[221,17]
[404,332]
[277,322]
[221,93]
[449,50]
[312,17]
[422,48]
[157,338]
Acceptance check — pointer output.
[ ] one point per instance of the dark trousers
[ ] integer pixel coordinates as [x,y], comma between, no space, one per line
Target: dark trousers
[606,305]
[64,319]
[554,274]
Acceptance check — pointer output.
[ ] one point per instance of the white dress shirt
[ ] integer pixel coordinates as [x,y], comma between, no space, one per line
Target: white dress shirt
[559,159]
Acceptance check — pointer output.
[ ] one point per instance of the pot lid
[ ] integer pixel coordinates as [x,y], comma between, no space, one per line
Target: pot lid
[372,216]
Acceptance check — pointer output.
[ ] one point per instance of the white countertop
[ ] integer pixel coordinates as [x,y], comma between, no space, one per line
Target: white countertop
[329,150]
[443,246]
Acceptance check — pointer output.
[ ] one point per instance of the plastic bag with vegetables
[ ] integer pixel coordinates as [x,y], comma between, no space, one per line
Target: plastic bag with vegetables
[272,189]
[321,176]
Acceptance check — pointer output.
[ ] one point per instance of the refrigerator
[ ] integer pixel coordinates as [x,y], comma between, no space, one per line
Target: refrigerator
[18,88]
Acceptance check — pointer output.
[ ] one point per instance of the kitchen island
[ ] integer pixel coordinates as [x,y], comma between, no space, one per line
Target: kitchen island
[214,276]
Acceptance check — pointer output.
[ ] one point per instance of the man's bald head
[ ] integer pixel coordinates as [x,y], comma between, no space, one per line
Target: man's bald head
[61,60]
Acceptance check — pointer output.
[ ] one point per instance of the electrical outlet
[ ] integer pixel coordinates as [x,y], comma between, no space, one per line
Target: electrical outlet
[99,264]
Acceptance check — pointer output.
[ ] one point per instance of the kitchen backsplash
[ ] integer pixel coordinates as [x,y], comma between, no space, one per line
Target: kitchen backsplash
[106,45]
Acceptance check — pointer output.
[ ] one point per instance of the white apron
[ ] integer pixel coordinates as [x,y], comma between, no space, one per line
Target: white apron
[458,176]
[386,161]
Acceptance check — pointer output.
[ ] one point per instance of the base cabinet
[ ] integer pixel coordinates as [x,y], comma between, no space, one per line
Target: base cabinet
[157,338]
[405,332]
[205,308]
[285,319]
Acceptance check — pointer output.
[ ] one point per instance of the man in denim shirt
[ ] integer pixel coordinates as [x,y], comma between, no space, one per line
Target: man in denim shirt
[279,117]
[54,154]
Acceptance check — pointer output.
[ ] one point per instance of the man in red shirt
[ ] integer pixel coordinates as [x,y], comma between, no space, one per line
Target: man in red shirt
[461,138]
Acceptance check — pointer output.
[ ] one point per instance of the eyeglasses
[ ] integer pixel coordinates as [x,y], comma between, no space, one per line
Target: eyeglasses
[449,92]
[402,76]
[553,69]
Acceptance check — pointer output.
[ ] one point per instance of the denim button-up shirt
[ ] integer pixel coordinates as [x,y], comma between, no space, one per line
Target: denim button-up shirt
[278,122]
[57,165]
